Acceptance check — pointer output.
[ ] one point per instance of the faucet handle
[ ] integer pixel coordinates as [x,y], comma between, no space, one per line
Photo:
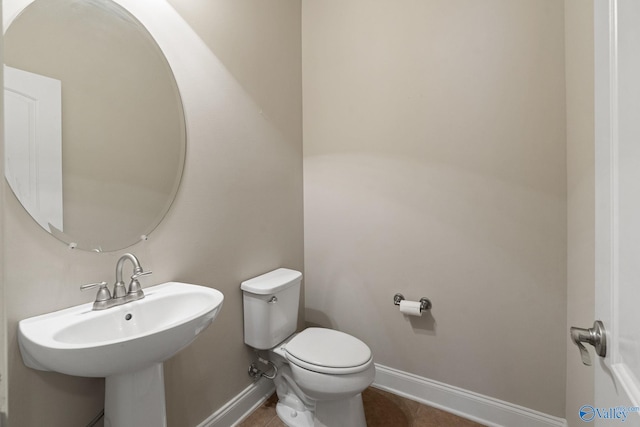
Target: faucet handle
[92,285]
[140,274]
[103,292]
[135,290]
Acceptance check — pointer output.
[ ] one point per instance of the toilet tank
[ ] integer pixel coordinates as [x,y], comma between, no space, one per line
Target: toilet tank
[270,305]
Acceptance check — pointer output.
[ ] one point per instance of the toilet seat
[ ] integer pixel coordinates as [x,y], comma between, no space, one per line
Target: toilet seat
[328,351]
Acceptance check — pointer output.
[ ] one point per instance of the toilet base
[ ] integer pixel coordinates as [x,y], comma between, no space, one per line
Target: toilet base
[294,418]
[343,412]
[329,413]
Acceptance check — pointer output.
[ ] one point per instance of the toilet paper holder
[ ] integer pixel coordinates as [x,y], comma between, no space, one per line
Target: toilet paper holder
[425,303]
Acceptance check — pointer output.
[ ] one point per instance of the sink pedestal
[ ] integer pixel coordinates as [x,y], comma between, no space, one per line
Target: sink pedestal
[135,399]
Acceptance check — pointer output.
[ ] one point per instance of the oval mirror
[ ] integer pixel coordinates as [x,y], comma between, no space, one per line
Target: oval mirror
[95,137]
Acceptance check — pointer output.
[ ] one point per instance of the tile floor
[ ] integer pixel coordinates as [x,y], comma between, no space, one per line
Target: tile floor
[382,409]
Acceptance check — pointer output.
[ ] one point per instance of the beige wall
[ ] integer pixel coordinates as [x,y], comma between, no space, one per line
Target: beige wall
[434,165]
[580,196]
[238,214]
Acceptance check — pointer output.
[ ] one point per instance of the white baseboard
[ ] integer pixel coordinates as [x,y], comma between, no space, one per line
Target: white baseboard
[238,408]
[482,409]
[476,407]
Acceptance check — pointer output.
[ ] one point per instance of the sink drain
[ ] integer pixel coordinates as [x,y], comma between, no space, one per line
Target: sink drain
[128,316]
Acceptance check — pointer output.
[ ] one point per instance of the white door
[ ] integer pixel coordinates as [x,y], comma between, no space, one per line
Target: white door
[617,118]
[33,144]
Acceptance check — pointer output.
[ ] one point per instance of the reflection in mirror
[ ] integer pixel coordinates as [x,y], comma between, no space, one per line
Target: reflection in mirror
[33,149]
[100,166]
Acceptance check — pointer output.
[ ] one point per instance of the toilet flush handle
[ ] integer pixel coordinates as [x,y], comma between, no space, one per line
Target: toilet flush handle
[273,300]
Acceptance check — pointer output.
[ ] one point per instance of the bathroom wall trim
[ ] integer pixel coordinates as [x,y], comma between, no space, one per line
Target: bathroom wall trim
[467,404]
[238,408]
[476,407]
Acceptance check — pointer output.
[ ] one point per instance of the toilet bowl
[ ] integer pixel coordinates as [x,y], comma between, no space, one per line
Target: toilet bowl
[321,372]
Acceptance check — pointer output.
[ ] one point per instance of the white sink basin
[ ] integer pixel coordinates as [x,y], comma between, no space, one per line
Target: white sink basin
[127,338]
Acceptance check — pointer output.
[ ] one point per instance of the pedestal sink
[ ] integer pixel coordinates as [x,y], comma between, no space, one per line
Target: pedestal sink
[125,344]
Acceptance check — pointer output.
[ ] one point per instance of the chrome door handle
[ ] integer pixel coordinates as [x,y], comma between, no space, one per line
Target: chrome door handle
[596,336]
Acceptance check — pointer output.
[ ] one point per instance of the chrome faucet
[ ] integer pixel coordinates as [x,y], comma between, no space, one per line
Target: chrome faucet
[104,299]
[135,291]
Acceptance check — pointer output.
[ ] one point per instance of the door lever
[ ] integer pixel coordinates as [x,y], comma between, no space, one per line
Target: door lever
[596,336]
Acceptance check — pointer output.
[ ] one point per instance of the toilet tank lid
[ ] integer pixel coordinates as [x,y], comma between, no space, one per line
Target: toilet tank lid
[272,281]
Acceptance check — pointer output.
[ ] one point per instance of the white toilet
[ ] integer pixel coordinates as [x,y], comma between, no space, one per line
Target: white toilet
[321,372]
